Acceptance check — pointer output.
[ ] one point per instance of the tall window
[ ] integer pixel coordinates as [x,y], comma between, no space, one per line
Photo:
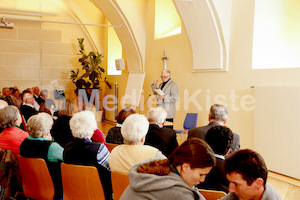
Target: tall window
[167,20]
[114,51]
[276,38]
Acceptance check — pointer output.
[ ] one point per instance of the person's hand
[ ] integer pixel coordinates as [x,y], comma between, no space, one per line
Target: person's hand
[162,96]
[155,82]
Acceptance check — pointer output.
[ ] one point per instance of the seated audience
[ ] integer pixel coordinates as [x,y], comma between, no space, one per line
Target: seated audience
[247,173]
[12,136]
[61,131]
[36,95]
[49,102]
[158,136]
[16,98]
[219,138]
[172,178]
[44,109]
[124,156]
[35,103]
[82,151]
[217,117]
[6,92]
[27,108]
[40,145]
[114,134]
[98,135]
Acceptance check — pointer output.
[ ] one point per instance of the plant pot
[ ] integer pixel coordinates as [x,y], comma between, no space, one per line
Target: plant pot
[99,115]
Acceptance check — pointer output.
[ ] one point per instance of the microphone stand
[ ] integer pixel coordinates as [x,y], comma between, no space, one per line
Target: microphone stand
[144,103]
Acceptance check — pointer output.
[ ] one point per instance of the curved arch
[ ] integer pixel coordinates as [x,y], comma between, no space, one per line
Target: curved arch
[114,14]
[205,33]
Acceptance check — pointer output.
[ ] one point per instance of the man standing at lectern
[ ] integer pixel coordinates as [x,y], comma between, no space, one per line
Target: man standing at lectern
[170,94]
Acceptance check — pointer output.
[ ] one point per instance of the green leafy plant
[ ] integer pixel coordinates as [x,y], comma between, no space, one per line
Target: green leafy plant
[92,70]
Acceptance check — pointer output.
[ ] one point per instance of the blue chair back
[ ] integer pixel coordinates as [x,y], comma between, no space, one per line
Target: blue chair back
[190,121]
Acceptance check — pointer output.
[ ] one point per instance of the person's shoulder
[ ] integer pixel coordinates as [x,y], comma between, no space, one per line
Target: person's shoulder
[19,131]
[148,147]
[199,129]
[271,193]
[236,135]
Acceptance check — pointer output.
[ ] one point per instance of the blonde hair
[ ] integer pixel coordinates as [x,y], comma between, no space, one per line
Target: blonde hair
[70,108]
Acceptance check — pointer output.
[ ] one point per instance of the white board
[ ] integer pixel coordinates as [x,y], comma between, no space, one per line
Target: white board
[134,88]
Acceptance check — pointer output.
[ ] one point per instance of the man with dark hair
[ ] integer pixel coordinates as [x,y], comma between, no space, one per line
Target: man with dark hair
[220,139]
[247,173]
[217,117]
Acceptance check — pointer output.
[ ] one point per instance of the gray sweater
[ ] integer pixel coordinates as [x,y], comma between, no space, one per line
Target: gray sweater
[269,194]
[150,186]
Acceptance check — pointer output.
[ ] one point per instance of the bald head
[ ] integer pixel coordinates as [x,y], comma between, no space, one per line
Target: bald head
[3,104]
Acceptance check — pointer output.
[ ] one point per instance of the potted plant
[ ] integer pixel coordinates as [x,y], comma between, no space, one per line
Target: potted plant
[90,75]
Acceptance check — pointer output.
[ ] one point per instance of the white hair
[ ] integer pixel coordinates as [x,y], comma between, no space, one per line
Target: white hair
[157,115]
[27,96]
[39,124]
[134,128]
[83,124]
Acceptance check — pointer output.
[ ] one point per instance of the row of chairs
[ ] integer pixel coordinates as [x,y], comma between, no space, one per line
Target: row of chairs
[79,182]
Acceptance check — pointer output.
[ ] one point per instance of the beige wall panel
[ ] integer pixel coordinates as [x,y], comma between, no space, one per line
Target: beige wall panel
[19,46]
[57,73]
[20,60]
[10,34]
[60,61]
[19,73]
[39,35]
[2,59]
[59,48]
[26,24]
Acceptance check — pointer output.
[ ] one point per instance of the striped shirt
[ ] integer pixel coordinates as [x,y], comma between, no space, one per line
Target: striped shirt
[102,156]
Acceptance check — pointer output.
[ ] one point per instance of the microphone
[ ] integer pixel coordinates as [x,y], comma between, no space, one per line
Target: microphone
[144,103]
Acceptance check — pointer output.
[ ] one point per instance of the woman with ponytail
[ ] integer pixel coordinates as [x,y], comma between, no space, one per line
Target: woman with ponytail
[173,178]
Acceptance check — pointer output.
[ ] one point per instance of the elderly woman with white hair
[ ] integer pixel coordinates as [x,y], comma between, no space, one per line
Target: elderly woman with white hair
[158,136]
[133,130]
[12,136]
[40,145]
[82,151]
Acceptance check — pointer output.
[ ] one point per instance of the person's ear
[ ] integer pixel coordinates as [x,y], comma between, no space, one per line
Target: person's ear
[185,167]
[225,121]
[209,117]
[259,182]
[143,140]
